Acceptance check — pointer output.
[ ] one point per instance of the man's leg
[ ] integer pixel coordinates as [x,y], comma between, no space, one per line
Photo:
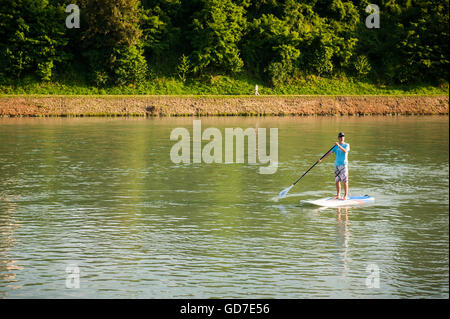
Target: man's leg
[338,190]
[346,190]
[346,181]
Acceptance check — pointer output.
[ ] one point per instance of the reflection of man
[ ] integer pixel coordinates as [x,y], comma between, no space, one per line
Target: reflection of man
[339,215]
[341,151]
[343,237]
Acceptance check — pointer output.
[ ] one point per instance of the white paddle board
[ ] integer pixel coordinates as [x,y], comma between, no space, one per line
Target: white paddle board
[332,202]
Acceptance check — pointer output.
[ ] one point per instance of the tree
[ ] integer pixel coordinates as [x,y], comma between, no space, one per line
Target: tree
[216,30]
[412,43]
[275,40]
[424,47]
[32,38]
[162,32]
[316,37]
[111,40]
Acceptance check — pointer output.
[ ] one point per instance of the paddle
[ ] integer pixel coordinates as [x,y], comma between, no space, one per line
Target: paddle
[284,192]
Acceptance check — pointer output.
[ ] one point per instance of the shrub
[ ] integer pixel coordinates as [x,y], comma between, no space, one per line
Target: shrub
[362,66]
[45,70]
[278,74]
[130,66]
[183,68]
[101,78]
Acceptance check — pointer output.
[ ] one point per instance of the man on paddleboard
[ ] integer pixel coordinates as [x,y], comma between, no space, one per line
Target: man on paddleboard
[341,151]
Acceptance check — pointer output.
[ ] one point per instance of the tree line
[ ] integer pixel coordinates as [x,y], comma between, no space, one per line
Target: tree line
[123,42]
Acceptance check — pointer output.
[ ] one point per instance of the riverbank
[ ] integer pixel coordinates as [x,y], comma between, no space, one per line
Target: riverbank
[75,84]
[217,105]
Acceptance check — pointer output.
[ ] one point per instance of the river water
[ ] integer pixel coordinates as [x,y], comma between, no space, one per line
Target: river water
[96,208]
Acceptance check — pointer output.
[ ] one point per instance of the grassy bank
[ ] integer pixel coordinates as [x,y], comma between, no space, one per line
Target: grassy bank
[220,95]
[214,105]
[222,85]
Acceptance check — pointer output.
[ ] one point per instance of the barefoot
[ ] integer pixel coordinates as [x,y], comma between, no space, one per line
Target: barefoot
[337,197]
[345,198]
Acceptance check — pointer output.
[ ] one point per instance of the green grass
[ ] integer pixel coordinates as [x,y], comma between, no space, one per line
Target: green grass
[224,85]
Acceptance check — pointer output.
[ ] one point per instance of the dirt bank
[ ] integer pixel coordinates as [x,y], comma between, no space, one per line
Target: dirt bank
[221,105]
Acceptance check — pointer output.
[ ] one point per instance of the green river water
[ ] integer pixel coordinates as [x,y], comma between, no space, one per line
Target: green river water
[102,195]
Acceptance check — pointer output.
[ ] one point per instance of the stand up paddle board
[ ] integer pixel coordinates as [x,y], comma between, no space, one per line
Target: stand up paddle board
[332,202]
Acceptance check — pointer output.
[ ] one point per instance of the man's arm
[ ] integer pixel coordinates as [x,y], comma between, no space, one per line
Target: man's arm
[325,156]
[342,149]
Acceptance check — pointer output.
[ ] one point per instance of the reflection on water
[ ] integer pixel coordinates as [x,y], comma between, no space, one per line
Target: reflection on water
[8,224]
[103,195]
[343,236]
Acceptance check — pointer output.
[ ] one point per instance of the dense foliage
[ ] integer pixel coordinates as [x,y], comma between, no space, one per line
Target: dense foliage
[281,42]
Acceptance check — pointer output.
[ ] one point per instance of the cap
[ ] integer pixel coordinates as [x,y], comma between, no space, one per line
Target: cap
[341,134]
